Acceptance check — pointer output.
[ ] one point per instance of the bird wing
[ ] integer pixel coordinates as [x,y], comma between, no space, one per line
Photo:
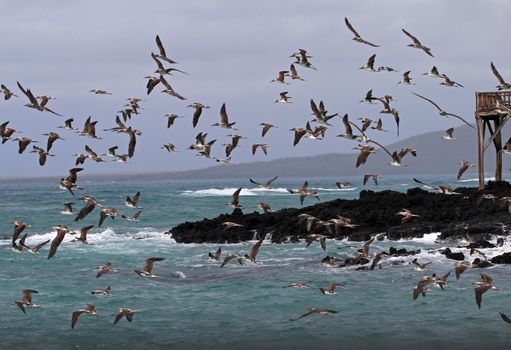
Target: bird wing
[40,245]
[223,115]
[496,73]
[132,144]
[430,101]
[236,195]
[460,118]
[347,125]
[29,95]
[255,249]
[505,317]
[118,317]
[415,40]
[350,27]
[148,267]
[158,62]
[381,146]
[315,109]
[479,291]
[254,182]
[160,46]
[269,182]
[298,135]
[21,305]
[462,170]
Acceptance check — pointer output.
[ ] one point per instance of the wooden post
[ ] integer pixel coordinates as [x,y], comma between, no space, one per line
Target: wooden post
[480,150]
[498,147]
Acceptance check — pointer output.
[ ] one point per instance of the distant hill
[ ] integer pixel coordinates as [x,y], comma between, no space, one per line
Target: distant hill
[434,156]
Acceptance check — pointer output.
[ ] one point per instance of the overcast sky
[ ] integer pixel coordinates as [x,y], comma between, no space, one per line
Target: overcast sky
[232,49]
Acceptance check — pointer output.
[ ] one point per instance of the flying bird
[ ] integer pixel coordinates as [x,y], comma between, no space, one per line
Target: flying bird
[264,185]
[464,165]
[88,310]
[357,37]
[148,267]
[442,112]
[315,310]
[417,44]
[125,312]
[503,85]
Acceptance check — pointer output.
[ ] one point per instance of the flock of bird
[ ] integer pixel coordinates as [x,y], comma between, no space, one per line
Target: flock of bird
[315,129]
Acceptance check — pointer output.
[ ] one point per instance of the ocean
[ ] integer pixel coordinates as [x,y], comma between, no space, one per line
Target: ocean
[196,304]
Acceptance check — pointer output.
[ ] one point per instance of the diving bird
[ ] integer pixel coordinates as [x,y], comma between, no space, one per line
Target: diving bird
[433,73]
[103,269]
[89,128]
[417,44]
[406,79]
[316,238]
[330,290]
[420,266]
[235,201]
[281,76]
[125,312]
[217,255]
[265,207]
[442,112]
[357,37]
[40,106]
[27,300]
[19,227]
[23,143]
[84,231]
[407,215]
[171,118]
[464,165]
[449,82]
[315,310]
[253,251]
[7,93]
[42,154]
[284,98]
[90,204]
[303,192]
[134,217]
[68,209]
[105,291]
[374,177]
[449,135]
[107,212]
[365,151]
[263,146]
[388,110]
[265,185]
[148,268]
[232,256]
[502,83]
[88,310]
[370,64]
[482,287]
[299,133]
[100,92]
[422,285]
[161,69]
[132,202]
[52,137]
[169,90]
[294,73]
[266,128]
[169,147]
[224,119]
[55,243]
[162,55]
[198,111]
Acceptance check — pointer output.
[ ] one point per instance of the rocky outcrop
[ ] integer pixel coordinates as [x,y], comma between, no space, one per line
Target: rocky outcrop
[454,216]
[502,259]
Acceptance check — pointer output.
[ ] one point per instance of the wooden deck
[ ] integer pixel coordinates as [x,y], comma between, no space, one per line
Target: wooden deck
[491,108]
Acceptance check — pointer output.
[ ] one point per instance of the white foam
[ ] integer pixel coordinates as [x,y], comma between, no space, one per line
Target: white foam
[227,192]
[178,274]
[335,189]
[477,179]
[427,238]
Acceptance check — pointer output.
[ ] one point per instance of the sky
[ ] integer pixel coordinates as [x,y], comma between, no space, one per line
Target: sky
[232,49]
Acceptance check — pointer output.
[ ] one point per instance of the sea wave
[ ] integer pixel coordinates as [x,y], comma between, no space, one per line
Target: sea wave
[228,191]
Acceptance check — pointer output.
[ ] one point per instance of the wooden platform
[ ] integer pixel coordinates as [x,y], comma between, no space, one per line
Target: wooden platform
[492,112]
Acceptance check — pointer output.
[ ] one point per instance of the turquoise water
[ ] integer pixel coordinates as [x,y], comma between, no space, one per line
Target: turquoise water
[196,304]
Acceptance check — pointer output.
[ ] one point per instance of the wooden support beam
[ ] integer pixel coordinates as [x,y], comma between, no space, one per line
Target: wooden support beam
[494,134]
[497,140]
[480,150]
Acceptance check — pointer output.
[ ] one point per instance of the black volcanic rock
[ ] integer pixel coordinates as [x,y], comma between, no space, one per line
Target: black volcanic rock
[502,259]
[454,216]
[450,255]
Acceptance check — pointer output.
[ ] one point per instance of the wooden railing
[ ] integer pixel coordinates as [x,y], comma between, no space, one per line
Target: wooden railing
[487,101]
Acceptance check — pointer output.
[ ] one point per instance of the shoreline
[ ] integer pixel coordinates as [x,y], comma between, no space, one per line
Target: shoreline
[373,213]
